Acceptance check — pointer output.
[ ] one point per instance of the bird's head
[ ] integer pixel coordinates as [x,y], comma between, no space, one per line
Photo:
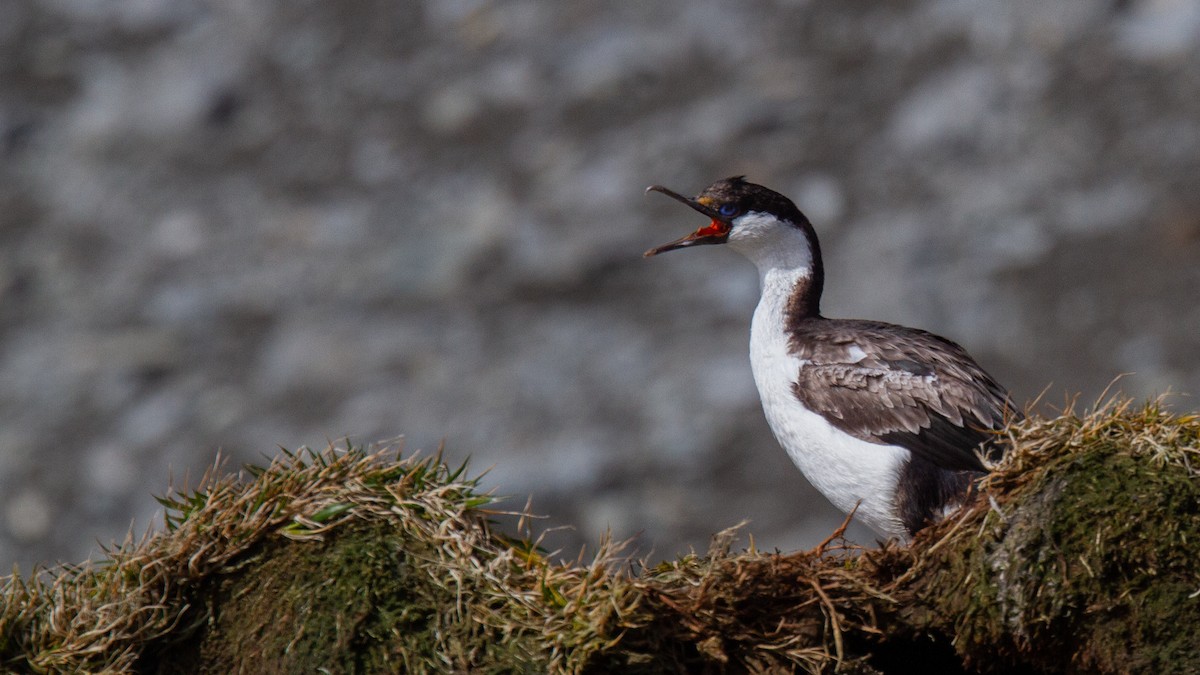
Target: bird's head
[745,215]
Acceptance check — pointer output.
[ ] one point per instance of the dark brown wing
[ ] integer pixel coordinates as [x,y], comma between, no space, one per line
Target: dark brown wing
[899,386]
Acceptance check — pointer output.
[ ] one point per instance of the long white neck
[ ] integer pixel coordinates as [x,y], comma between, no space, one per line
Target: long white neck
[787,259]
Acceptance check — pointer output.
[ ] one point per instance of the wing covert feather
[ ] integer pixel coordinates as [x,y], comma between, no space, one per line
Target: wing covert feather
[900,386]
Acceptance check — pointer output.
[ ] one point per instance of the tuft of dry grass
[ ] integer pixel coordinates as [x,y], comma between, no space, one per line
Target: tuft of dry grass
[99,617]
[107,616]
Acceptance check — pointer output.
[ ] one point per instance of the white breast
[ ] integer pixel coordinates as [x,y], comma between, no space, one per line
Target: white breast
[848,471]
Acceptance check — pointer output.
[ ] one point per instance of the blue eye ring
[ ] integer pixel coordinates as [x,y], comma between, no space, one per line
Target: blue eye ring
[728,210]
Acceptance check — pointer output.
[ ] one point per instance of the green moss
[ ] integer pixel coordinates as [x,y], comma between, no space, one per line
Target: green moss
[366,598]
[348,604]
[1126,572]
[1085,560]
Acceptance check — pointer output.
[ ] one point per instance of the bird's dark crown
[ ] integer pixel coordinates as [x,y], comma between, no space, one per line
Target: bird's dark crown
[751,197]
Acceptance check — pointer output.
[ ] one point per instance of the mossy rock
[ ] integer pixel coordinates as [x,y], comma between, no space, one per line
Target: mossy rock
[1077,555]
[1092,569]
[353,602]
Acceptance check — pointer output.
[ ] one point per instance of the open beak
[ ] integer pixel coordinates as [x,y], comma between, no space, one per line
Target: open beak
[716,232]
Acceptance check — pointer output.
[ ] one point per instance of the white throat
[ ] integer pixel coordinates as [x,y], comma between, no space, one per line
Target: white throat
[775,248]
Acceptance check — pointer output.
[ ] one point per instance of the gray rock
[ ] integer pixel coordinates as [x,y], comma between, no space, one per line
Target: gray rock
[236,226]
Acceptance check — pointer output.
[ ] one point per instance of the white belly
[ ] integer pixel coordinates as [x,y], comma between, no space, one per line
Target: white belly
[848,471]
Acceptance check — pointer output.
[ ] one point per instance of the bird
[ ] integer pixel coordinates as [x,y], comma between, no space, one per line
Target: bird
[891,424]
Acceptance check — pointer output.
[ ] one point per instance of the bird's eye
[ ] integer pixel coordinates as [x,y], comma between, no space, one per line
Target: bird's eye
[728,210]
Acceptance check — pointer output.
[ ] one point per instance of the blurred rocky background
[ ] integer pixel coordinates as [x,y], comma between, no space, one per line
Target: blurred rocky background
[242,225]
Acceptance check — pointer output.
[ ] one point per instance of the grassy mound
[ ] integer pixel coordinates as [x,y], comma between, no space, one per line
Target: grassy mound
[1082,554]
[1077,555]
